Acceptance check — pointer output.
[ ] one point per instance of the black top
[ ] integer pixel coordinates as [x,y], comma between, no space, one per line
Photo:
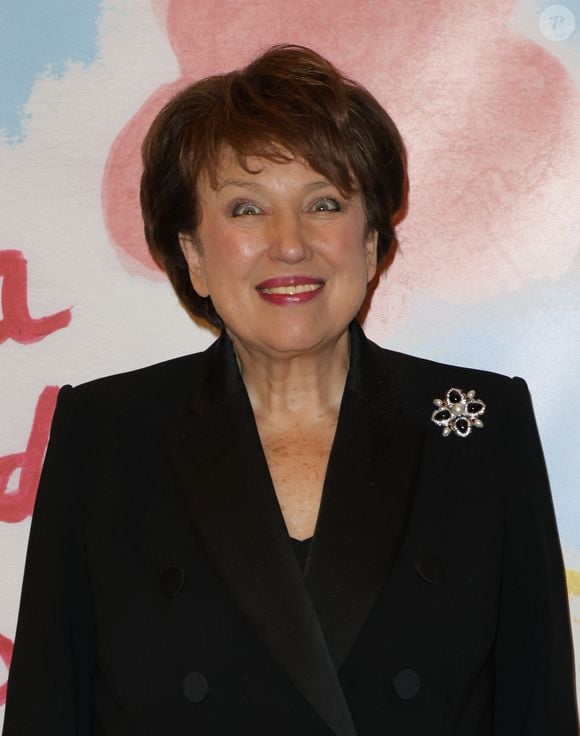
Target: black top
[301,550]
[433,601]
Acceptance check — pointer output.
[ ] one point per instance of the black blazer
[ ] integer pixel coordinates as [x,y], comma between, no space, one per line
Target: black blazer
[162,595]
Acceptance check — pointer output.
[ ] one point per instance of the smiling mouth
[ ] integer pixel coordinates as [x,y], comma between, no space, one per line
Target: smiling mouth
[292,289]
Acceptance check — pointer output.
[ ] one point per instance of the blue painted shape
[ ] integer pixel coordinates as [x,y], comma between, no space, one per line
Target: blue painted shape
[37,38]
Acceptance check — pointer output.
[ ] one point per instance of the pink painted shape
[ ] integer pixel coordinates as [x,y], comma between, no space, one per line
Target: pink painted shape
[488,117]
[6,647]
[17,322]
[120,190]
[17,505]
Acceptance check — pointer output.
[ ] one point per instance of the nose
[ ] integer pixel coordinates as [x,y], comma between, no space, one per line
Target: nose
[287,239]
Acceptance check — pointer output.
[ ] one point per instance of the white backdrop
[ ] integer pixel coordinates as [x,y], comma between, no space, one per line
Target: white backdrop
[489,269]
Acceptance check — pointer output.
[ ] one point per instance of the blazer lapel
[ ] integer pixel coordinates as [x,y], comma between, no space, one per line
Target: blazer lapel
[222,476]
[366,499]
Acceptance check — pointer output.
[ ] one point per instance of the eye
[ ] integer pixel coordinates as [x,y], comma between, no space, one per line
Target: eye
[240,209]
[326,204]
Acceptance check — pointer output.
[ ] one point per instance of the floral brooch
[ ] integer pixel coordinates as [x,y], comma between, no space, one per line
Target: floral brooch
[458,412]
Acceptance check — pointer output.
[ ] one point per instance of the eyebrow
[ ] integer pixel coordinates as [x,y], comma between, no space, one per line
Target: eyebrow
[247,184]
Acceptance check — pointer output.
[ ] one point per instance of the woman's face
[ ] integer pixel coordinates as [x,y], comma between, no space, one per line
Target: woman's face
[282,254]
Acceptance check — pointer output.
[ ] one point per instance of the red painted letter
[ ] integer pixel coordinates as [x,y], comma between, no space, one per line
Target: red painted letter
[17,505]
[6,656]
[17,322]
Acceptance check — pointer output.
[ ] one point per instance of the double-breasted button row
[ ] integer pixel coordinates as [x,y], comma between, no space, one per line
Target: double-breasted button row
[172,581]
[406,685]
[430,569]
[195,687]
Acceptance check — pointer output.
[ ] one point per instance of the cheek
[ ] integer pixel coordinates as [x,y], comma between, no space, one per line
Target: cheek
[228,256]
[354,247]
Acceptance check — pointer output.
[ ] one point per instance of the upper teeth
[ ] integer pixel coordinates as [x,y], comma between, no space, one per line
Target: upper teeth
[294,289]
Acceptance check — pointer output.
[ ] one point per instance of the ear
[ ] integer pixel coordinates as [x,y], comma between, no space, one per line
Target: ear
[371,244]
[193,254]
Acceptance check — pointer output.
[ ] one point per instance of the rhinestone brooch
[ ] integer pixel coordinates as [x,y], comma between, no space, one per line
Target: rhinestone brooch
[459,412]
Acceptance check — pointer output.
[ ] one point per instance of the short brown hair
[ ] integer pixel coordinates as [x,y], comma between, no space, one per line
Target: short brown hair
[288,102]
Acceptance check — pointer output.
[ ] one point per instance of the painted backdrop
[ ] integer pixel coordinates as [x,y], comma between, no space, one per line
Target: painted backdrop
[488,274]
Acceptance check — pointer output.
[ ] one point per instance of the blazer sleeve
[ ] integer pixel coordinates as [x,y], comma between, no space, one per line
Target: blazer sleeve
[49,684]
[534,670]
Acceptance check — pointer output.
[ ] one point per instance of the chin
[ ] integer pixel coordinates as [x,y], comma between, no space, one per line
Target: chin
[301,339]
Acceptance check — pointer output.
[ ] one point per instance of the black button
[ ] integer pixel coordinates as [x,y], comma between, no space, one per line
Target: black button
[406,684]
[172,581]
[430,569]
[195,687]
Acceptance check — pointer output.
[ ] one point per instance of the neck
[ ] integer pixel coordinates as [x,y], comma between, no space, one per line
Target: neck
[303,385]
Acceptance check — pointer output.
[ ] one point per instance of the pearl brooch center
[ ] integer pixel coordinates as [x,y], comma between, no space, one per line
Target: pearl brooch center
[458,412]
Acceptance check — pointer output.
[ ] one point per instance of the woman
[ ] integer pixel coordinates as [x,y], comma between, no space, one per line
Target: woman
[163,590]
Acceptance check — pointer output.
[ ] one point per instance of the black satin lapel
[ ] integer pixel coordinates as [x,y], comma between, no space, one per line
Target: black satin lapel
[223,479]
[366,503]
